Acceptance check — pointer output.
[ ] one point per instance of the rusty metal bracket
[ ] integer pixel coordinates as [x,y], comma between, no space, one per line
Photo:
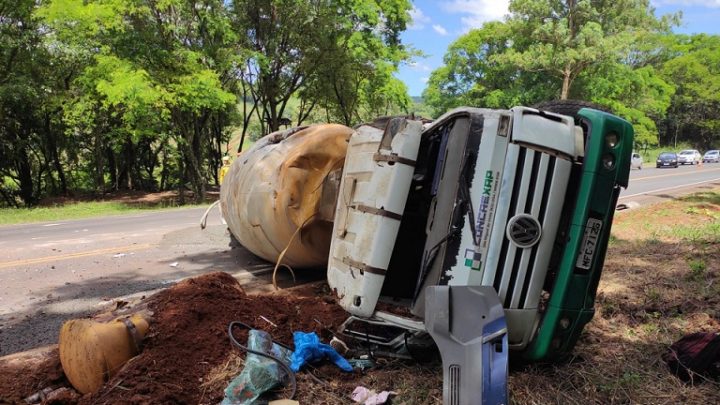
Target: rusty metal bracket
[136,339]
[379,157]
[364,267]
[378,211]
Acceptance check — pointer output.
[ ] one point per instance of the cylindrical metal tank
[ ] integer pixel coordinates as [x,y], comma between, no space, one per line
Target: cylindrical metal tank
[288,180]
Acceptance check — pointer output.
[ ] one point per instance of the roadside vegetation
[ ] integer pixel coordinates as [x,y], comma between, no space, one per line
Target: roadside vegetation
[75,209]
[98,96]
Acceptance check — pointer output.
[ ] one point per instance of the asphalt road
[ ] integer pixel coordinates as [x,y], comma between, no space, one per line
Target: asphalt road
[652,184]
[51,272]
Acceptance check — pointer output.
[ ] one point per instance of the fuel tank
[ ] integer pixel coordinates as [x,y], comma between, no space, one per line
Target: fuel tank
[281,193]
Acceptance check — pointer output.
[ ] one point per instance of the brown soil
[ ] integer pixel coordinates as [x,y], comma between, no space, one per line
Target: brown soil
[24,374]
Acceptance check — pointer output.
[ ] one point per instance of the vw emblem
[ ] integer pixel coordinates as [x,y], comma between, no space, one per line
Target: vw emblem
[524,230]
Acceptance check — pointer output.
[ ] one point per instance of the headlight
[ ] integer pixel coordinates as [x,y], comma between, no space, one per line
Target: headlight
[611,139]
[674,160]
[608,161]
[659,161]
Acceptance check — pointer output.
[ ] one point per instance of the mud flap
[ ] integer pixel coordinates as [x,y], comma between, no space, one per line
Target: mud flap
[468,325]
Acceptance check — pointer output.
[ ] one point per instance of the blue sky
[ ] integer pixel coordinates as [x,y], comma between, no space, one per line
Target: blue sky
[438,23]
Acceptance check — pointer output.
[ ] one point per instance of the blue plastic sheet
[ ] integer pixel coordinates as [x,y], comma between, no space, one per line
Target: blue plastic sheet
[308,349]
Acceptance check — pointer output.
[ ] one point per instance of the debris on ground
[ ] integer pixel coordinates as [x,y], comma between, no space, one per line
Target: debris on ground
[31,374]
[266,366]
[309,349]
[695,357]
[362,395]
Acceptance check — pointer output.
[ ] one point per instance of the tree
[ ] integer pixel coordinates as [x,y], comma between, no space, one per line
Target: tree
[594,50]
[31,81]
[694,114]
[473,76]
[565,38]
[339,55]
[156,68]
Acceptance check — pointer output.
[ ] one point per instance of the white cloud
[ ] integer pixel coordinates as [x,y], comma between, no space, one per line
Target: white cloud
[477,12]
[424,79]
[440,29]
[419,19]
[419,66]
[701,3]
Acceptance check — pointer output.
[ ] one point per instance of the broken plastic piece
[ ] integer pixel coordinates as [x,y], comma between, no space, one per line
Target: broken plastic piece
[260,374]
[362,395]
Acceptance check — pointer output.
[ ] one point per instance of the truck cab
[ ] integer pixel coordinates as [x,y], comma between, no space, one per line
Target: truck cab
[521,200]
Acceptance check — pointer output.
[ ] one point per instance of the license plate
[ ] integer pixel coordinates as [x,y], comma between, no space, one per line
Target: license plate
[589,243]
[666,164]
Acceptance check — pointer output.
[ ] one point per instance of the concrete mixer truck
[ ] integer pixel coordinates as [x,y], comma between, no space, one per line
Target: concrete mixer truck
[517,201]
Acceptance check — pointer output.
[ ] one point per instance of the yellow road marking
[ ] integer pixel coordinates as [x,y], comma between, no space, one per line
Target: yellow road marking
[46,259]
[673,174]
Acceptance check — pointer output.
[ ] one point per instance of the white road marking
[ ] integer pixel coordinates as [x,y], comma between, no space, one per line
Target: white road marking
[47,225]
[668,188]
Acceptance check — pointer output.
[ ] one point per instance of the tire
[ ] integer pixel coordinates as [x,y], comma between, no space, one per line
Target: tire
[569,107]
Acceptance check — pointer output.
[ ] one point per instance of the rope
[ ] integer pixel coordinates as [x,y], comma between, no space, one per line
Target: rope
[203,220]
[282,254]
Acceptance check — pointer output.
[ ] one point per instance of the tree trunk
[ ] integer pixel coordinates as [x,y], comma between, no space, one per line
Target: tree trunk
[99,165]
[25,178]
[52,144]
[566,85]
[112,167]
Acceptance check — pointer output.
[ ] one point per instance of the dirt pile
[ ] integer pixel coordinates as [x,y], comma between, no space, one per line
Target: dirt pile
[189,338]
[24,374]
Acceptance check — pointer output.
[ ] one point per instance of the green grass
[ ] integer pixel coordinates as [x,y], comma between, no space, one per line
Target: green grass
[9,216]
[697,268]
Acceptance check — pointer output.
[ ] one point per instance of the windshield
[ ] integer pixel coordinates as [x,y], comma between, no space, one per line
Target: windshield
[666,155]
[686,152]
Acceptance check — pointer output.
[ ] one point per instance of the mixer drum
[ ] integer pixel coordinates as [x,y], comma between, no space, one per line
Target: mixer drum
[281,193]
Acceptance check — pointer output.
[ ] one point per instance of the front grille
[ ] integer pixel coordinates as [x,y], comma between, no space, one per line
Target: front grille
[536,185]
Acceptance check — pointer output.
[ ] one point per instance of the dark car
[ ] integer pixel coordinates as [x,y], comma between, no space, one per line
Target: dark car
[667,159]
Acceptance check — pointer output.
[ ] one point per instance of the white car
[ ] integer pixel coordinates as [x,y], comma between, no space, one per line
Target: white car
[636,161]
[689,157]
[712,156]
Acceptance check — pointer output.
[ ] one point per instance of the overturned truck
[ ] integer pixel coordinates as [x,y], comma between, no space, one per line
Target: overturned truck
[518,200]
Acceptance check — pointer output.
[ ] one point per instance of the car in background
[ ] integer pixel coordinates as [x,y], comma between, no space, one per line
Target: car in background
[636,161]
[667,159]
[689,156]
[712,156]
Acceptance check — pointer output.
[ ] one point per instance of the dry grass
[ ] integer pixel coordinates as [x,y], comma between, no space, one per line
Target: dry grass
[661,281]
[219,377]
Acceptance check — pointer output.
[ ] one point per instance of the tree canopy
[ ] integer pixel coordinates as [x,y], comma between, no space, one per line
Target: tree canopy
[102,95]
[617,54]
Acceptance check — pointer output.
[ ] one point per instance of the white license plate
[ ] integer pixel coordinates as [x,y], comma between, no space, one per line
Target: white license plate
[589,243]
[666,164]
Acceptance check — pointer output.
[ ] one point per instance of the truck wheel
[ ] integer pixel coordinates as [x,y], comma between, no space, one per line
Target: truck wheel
[569,107]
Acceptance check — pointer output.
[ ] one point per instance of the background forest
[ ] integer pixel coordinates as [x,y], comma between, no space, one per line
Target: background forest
[103,95]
